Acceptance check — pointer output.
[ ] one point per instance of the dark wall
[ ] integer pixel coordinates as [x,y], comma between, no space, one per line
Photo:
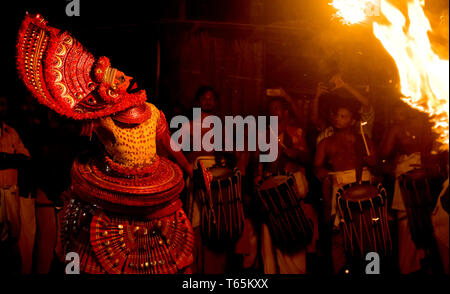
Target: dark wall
[240,47]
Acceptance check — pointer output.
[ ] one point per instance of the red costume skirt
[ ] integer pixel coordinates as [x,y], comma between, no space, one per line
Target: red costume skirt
[130,224]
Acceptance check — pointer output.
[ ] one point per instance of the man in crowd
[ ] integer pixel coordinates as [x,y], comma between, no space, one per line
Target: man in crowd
[17,221]
[293,156]
[344,157]
[407,143]
[366,112]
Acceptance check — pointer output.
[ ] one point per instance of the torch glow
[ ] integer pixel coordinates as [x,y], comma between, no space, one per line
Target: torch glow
[424,76]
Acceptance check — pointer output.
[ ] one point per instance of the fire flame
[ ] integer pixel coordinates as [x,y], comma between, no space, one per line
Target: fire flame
[353,11]
[424,76]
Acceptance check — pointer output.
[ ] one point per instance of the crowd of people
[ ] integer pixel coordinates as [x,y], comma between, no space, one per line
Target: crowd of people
[332,196]
[343,155]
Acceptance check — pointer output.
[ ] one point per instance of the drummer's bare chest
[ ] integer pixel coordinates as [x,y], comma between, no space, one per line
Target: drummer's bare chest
[341,151]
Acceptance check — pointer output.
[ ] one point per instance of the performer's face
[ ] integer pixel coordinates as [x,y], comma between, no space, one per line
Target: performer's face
[343,118]
[122,82]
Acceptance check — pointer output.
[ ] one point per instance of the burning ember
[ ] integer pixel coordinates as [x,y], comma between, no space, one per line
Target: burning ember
[424,76]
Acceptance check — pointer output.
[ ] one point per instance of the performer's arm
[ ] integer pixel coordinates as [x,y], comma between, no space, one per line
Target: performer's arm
[339,83]
[165,140]
[163,137]
[361,98]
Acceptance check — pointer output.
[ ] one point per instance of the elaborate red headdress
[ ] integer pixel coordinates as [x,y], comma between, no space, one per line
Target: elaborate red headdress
[64,76]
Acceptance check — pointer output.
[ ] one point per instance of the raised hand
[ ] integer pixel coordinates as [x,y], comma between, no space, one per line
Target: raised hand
[338,82]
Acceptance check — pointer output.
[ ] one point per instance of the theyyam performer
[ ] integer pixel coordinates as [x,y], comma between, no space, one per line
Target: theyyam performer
[122,212]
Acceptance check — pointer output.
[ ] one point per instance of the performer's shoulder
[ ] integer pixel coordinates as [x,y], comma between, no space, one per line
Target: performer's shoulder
[153,108]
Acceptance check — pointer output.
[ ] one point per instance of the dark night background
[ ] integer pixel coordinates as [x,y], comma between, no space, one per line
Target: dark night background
[240,47]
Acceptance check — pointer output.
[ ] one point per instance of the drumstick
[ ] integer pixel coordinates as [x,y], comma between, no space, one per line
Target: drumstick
[364,137]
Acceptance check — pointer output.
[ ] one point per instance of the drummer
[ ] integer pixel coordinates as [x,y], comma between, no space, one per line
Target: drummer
[205,260]
[208,260]
[343,158]
[405,145]
[293,156]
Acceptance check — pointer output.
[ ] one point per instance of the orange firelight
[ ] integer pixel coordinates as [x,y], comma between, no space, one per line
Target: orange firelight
[424,76]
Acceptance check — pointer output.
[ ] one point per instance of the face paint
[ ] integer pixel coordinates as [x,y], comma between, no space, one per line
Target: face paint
[121,82]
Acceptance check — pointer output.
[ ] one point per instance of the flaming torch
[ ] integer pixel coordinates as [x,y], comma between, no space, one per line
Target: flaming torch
[424,76]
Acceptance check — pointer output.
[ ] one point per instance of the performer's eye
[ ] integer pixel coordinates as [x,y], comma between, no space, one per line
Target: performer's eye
[121,79]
